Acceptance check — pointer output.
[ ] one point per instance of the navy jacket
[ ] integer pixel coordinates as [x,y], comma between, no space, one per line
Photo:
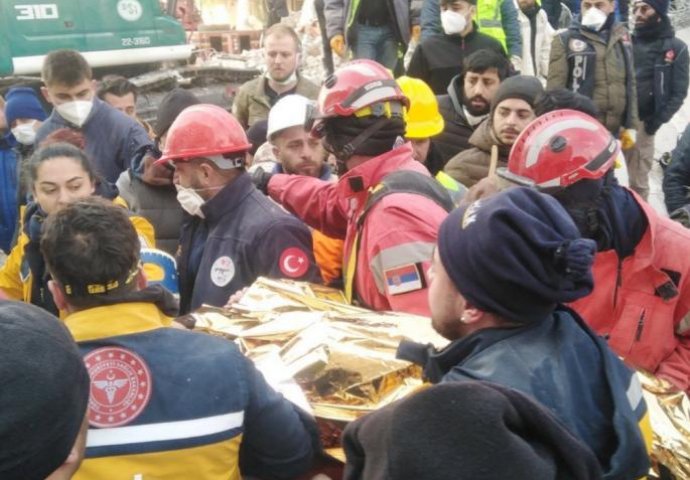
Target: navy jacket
[562,364]
[112,138]
[244,235]
[677,175]
[8,192]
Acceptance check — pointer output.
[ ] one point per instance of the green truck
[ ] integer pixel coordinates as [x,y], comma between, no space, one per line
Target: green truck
[109,33]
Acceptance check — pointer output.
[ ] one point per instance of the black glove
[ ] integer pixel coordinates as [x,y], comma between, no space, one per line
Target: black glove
[261,177]
[651,126]
[682,215]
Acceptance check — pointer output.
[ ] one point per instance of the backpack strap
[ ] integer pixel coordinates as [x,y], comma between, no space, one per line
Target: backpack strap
[404,181]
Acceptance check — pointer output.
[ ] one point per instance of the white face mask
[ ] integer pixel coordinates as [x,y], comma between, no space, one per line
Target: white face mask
[25,133]
[75,112]
[289,80]
[594,19]
[190,201]
[453,22]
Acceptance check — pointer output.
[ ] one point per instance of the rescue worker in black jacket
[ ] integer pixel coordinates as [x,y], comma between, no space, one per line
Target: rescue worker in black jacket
[235,234]
[661,69]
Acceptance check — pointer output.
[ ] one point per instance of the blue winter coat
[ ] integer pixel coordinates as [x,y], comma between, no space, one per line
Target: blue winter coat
[8,192]
[562,364]
[112,138]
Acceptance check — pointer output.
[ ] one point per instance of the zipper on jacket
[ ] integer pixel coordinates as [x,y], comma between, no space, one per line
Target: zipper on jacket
[662,82]
[619,281]
[640,325]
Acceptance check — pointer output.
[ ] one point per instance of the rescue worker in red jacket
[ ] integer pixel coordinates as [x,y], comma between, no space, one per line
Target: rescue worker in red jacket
[641,296]
[388,249]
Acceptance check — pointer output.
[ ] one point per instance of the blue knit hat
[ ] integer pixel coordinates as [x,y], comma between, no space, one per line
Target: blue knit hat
[22,102]
[516,254]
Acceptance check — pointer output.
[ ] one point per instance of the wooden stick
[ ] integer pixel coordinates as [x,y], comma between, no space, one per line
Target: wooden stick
[494,160]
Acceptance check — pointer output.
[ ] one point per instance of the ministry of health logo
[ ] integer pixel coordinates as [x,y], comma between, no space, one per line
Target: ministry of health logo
[120,386]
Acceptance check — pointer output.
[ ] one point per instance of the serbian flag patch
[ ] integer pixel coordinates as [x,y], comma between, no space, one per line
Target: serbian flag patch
[403,279]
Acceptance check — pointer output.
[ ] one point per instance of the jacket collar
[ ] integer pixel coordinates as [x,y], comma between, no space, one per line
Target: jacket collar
[115,320]
[228,198]
[483,138]
[358,180]
[262,82]
[437,363]
[455,93]
[618,32]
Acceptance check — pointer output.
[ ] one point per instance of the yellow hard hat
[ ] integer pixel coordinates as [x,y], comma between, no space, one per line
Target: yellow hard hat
[423,118]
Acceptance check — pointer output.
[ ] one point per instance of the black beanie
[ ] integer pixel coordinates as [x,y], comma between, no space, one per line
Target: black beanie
[171,106]
[516,254]
[659,6]
[524,87]
[45,391]
[465,430]
[256,134]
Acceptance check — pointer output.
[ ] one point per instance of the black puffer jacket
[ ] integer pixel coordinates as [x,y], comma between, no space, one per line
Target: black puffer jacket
[661,68]
[677,175]
[456,134]
[438,59]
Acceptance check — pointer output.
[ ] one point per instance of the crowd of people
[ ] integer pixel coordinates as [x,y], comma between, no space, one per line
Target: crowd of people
[479,187]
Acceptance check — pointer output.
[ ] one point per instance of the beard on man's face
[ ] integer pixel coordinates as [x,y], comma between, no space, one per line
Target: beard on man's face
[476,105]
[649,22]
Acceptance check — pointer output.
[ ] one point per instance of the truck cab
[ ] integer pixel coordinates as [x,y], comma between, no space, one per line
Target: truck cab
[107,32]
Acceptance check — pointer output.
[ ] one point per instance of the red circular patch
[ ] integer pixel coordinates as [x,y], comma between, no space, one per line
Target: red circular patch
[294,262]
[120,386]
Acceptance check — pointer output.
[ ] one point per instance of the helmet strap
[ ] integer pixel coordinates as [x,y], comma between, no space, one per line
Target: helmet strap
[344,152]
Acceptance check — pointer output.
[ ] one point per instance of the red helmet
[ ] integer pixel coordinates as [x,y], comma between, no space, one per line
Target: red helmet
[354,87]
[560,148]
[202,131]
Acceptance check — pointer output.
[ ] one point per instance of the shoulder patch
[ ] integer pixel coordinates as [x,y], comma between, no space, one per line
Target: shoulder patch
[576,45]
[404,279]
[293,262]
[670,56]
[120,386]
[222,271]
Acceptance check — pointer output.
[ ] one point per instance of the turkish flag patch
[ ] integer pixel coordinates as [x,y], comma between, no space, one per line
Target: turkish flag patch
[294,262]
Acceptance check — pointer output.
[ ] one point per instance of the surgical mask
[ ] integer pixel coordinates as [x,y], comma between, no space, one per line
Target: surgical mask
[453,22]
[75,112]
[594,19]
[190,201]
[288,81]
[25,133]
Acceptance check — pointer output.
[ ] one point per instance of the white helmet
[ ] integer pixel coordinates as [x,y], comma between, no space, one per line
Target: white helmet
[289,111]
